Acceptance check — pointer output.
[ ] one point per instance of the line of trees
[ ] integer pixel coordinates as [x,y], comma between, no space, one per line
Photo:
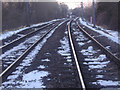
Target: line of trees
[14,13]
[106,14]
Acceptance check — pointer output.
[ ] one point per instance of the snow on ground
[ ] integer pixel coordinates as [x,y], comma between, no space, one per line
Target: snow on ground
[80,38]
[41,67]
[88,51]
[97,63]
[110,34]
[19,47]
[64,49]
[16,51]
[107,83]
[11,54]
[10,33]
[32,79]
[94,62]
[45,60]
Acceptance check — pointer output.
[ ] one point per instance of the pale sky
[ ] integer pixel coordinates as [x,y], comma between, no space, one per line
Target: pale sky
[76,3]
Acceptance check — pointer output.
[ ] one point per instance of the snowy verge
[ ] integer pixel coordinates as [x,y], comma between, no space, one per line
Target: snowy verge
[110,34]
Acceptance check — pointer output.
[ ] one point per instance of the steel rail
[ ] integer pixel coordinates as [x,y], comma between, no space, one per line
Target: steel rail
[116,59]
[19,59]
[6,47]
[75,57]
[10,45]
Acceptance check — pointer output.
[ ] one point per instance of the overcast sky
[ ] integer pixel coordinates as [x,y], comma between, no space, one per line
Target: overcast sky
[76,3]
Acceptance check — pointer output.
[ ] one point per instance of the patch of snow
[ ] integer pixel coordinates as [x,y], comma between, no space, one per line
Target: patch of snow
[81,43]
[96,66]
[107,83]
[47,54]
[107,47]
[20,35]
[65,48]
[99,76]
[88,51]
[10,33]
[33,79]
[90,48]
[41,67]
[8,62]
[68,57]
[12,77]
[96,62]
[89,41]
[75,33]
[81,38]
[48,79]
[19,67]
[45,60]
[112,35]
[69,60]
[17,72]
[99,71]
[101,57]
[65,63]
[8,83]
[66,32]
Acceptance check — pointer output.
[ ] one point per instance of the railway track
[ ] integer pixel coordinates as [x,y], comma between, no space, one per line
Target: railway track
[64,70]
[76,59]
[15,40]
[10,55]
[13,57]
[71,57]
[99,67]
[24,32]
[19,34]
[109,54]
[98,34]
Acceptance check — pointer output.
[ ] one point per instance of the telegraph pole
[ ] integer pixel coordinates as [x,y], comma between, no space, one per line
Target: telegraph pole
[27,14]
[94,14]
[82,10]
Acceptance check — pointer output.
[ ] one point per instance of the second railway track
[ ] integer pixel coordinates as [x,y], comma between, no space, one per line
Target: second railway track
[15,41]
[24,31]
[12,57]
